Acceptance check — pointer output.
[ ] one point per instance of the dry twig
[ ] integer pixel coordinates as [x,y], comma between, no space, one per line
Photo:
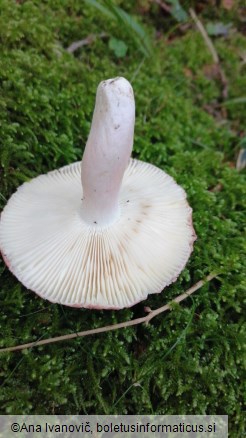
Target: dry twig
[144,319]
[212,50]
[88,40]
[163,6]
[205,36]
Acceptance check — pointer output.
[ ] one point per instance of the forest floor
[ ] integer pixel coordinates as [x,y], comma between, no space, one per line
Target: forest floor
[187,63]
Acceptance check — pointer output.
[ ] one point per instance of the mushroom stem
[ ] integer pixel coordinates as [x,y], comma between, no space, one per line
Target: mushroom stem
[107,151]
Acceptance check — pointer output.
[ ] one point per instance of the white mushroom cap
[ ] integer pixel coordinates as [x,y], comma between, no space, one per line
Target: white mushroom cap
[77,254]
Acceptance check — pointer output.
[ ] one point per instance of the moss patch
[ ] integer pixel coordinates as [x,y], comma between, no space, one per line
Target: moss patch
[190,360]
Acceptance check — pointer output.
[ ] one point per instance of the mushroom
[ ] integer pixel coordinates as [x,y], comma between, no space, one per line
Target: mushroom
[125,234]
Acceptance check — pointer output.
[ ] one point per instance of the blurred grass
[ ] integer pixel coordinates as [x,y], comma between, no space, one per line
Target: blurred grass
[126,23]
[191,360]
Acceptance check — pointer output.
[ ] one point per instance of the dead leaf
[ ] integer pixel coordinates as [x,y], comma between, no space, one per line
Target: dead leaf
[143,6]
[187,72]
[243,57]
[211,71]
[215,72]
[217,112]
[227,4]
[147,309]
[216,188]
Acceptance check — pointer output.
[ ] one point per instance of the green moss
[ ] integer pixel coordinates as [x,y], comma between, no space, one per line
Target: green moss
[189,360]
